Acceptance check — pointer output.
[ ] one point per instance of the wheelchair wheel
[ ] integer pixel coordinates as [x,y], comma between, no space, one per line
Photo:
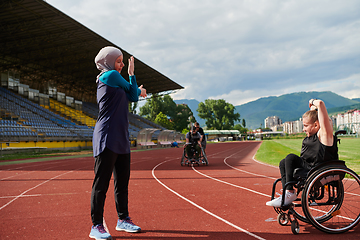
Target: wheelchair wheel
[331,199]
[183,159]
[283,219]
[295,227]
[204,157]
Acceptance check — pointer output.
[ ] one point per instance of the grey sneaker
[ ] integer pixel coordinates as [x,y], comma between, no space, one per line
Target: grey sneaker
[99,232]
[127,225]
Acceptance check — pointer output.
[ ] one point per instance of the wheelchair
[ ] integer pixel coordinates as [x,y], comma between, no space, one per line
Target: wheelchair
[190,161]
[328,198]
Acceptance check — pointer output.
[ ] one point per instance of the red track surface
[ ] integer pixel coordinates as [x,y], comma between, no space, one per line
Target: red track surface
[225,200]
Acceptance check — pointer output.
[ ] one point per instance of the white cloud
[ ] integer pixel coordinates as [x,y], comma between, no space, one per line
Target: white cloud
[348,87]
[238,50]
[238,97]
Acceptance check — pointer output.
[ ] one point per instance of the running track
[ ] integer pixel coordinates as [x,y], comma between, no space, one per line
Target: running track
[225,200]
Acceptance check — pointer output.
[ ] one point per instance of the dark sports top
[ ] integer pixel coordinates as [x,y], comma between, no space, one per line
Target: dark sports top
[193,138]
[314,152]
[201,131]
[111,128]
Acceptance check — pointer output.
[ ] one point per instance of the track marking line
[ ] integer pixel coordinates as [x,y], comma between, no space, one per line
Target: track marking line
[23,193]
[255,174]
[266,164]
[49,165]
[201,208]
[233,185]
[43,195]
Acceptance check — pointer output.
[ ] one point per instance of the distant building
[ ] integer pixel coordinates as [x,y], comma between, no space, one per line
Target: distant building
[277,128]
[349,121]
[293,126]
[273,121]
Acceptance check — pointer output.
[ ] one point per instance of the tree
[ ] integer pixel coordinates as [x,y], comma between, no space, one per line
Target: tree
[218,114]
[169,106]
[151,108]
[241,129]
[179,115]
[183,117]
[163,121]
[185,131]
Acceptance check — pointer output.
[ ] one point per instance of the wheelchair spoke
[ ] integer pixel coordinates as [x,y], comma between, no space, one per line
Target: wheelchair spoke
[332,200]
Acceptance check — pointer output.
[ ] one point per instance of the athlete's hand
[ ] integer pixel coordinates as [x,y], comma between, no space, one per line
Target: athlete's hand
[143,91]
[131,67]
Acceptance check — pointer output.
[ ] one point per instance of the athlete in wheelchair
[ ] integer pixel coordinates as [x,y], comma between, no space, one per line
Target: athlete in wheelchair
[330,192]
[193,151]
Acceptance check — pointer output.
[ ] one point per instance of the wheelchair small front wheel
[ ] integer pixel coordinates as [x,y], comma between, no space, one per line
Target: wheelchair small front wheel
[283,219]
[295,227]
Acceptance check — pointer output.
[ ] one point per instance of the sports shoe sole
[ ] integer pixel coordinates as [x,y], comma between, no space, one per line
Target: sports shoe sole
[127,230]
[109,238]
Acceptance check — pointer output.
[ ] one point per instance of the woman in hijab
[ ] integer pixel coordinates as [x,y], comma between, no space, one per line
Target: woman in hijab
[111,145]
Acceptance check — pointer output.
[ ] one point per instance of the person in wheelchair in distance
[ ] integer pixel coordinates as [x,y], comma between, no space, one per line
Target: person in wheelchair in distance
[193,144]
[318,146]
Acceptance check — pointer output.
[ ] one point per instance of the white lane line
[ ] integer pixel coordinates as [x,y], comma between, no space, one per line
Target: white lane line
[25,172]
[237,169]
[240,170]
[233,185]
[201,208]
[23,193]
[268,165]
[253,158]
[42,195]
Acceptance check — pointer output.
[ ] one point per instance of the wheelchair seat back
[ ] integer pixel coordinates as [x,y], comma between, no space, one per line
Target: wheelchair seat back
[340,163]
[301,173]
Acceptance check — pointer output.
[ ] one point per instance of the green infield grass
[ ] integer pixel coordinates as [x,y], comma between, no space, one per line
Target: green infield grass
[272,151]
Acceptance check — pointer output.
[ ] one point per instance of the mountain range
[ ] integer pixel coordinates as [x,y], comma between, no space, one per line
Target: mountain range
[288,107]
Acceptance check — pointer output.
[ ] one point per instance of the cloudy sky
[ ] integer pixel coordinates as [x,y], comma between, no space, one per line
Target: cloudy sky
[237,50]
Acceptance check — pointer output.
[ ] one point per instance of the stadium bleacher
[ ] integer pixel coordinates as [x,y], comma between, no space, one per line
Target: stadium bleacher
[24,120]
[28,103]
[91,109]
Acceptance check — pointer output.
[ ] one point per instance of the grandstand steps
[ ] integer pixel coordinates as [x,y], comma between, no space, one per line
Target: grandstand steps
[72,114]
[8,115]
[24,120]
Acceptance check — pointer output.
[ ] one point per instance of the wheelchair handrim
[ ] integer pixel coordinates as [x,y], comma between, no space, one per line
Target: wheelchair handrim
[318,223]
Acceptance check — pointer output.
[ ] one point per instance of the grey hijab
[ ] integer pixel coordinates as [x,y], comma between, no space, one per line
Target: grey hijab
[105,59]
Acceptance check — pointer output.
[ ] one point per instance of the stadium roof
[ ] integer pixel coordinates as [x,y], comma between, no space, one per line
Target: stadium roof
[46,46]
[221,132]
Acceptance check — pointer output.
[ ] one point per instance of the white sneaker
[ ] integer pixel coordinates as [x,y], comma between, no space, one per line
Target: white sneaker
[276,202]
[289,198]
